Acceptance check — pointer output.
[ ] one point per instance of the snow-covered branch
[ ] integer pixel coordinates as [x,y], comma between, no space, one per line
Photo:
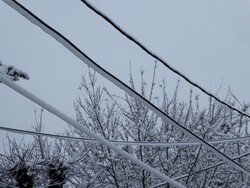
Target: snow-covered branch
[12,72]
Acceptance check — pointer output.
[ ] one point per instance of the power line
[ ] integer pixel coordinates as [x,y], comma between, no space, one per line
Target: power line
[78,126]
[212,166]
[204,169]
[83,57]
[88,132]
[129,143]
[27,14]
[152,54]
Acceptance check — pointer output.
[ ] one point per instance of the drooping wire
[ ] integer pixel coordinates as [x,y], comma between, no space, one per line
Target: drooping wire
[130,143]
[152,54]
[83,57]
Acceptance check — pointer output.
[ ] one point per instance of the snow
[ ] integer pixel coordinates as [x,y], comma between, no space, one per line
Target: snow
[78,53]
[77,125]
[63,116]
[12,72]
[94,177]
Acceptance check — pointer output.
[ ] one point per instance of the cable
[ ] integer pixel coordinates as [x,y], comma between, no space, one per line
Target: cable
[83,57]
[27,14]
[152,54]
[212,166]
[128,143]
[76,51]
[78,126]
[204,169]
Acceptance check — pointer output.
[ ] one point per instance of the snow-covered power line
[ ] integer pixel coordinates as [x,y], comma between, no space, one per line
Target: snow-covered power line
[88,132]
[199,171]
[128,143]
[212,166]
[82,56]
[154,55]
[116,81]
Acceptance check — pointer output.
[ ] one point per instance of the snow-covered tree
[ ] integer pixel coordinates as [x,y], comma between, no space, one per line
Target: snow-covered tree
[39,163]
[125,119]
[58,163]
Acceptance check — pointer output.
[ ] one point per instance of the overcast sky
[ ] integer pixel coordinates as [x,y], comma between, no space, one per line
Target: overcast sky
[209,41]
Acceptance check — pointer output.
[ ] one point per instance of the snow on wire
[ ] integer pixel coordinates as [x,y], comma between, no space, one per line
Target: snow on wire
[128,143]
[204,169]
[27,14]
[82,56]
[152,54]
[12,72]
[88,132]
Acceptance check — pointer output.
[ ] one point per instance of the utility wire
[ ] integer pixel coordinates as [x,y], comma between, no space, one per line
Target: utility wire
[212,166]
[128,143]
[27,14]
[152,54]
[83,57]
[199,171]
[88,132]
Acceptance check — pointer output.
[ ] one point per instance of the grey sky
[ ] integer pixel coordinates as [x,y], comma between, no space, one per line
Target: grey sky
[209,41]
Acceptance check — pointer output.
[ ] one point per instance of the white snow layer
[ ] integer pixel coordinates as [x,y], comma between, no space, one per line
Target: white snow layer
[12,72]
